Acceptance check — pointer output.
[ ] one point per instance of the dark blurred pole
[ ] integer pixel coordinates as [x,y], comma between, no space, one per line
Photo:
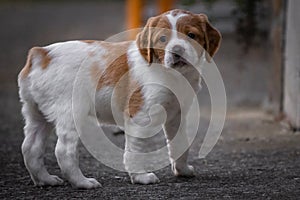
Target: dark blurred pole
[292,65]
[277,38]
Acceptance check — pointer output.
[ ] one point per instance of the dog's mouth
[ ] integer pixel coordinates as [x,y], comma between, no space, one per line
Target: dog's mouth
[180,62]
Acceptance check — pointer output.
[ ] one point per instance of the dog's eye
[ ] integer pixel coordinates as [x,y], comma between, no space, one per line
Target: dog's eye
[191,35]
[163,38]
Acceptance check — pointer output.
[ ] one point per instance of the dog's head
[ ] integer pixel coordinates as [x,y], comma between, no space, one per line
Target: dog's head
[178,38]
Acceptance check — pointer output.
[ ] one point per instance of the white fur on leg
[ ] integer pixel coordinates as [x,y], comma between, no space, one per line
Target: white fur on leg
[184,171]
[179,164]
[137,166]
[87,183]
[51,180]
[67,157]
[34,144]
[144,178]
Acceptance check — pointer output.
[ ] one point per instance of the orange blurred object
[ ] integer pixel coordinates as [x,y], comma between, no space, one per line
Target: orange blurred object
[134,16]
[134,10]
[164,5]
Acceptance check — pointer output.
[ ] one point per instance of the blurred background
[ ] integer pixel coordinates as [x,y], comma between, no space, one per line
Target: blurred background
[250,57]
[258,60]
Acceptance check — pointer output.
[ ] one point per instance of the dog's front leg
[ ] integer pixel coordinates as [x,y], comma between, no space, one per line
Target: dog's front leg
[178,146]
[135,163]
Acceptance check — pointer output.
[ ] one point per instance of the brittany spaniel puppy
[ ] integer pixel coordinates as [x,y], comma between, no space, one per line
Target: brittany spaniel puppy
[170,40]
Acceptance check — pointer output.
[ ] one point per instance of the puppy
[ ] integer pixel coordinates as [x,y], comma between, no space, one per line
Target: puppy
[46,86]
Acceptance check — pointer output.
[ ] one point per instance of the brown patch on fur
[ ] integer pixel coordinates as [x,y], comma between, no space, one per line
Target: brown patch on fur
[88,41]
[116,67]
[26,69]
[212,37]
[206,35]
[135,102]
[114,72]
[44,60]
[116,75]
[147,40]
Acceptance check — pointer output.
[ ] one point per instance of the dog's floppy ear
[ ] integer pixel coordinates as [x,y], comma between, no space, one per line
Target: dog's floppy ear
[144,40]
[212,37]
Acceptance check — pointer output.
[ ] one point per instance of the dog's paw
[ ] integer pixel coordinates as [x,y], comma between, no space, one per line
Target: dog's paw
[145,179]
[87,183]
[50,180]
[185,171]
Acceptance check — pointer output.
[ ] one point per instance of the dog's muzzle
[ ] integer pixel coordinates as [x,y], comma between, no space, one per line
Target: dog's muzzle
[177,53]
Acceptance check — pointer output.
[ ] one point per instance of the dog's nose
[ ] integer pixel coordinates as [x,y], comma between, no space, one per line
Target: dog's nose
[177,52]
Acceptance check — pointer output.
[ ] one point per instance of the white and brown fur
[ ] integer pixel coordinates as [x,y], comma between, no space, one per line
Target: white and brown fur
[46,84]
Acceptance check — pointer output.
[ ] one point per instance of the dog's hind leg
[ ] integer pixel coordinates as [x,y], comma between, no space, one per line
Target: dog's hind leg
[67,157]
[36,131]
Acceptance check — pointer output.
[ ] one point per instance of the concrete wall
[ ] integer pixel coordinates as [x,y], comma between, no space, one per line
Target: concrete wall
[292,64]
